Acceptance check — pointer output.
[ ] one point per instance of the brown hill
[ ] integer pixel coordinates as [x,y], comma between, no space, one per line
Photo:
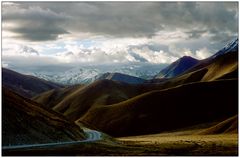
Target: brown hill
[168,109]
[55,96]
[102,92]
[74,102]
[221,67]
[229,125]
[25,122]
[25,85]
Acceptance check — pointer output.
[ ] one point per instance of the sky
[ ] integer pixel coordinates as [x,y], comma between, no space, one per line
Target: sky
[58,33]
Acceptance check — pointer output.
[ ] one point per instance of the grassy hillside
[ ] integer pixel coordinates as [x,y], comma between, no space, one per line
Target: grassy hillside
[103,92]
[75,102]
[26,122]
[229,125]
[25,85]
[54,96]
[222,67]
[168,109]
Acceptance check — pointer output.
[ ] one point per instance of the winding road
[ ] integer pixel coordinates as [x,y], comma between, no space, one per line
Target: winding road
[92,136]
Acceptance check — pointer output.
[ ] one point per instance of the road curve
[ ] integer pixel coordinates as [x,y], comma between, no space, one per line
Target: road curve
[92,136]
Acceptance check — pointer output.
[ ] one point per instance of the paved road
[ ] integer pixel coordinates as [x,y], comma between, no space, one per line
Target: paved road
[92,136]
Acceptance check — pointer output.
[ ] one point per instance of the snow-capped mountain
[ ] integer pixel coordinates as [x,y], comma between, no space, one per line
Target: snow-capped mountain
[177,67]
[122,78]
[70,77]
[88,74]
[230,47]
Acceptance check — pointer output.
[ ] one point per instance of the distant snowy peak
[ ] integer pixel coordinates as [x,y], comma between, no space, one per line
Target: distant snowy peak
[177,67]
[121,78]
[88,74]
[230,47]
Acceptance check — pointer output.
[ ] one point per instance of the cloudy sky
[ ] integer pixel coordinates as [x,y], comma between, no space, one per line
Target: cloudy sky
[114,32]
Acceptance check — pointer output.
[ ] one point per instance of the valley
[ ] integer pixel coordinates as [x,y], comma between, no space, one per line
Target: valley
[188,108]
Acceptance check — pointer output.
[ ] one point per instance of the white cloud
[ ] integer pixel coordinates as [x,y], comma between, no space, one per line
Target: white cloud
[203,53]
[154,56]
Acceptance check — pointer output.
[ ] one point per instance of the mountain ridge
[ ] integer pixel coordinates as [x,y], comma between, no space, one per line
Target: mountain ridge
[178,67]
[26,85]
[121,78]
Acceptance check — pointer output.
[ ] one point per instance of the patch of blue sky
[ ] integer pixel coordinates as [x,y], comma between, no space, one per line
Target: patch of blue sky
[60,46]
[53,49]
[87,43]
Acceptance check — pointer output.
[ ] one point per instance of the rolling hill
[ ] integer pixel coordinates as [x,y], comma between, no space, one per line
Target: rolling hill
[202,93]
[102,92]
[196,69]
[75,101]
[224,66]
[25,85]
[229,125]
[53,97]
[168,109]
[26,122]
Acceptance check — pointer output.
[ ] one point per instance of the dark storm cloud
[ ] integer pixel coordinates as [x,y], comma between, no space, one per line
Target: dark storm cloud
[38,33]
[33,23]
[123,19]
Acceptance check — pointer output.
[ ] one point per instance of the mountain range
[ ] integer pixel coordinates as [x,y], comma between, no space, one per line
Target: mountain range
[121,78]
[85,74]
[184,94]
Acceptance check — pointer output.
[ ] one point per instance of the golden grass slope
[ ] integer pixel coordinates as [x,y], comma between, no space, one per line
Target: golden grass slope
[229,125]
[102,92]
[54,96]
[222,67]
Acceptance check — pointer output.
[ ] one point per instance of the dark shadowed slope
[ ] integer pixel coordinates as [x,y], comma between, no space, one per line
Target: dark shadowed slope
[167,109]
[25,85]
[25,122]
[178,67]
[75,101]
[229,125]
[121,78]
[102,92]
